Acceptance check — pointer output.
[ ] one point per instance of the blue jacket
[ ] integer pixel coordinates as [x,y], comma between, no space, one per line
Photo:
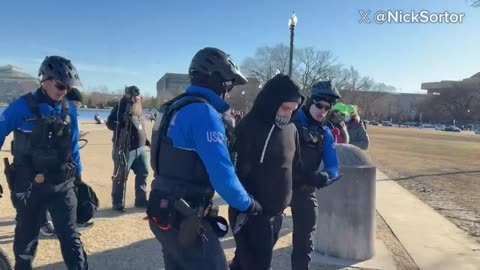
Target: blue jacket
[13,118]
[330,159]
[199,127]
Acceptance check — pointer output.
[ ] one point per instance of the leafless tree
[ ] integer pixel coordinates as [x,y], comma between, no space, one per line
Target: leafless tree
[458,102]
[268,62]
[314,65]
[363,92]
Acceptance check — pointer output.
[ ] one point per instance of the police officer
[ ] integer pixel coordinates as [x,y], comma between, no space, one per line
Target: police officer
[316,145]
[46,163]
[191,161]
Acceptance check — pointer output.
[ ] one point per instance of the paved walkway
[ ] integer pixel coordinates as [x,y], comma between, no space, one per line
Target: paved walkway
[432,241]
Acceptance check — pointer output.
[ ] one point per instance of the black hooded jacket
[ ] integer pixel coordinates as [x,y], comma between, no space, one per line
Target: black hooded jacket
[266,153]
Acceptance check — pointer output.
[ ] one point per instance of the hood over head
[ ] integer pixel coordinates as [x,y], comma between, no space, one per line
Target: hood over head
[277,90]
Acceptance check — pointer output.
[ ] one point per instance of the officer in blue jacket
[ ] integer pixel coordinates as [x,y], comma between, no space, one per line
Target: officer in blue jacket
[316,145]
[46,164]
[191,161]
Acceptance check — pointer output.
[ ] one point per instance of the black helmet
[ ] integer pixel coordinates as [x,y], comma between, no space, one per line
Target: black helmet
[132,90]
[60,69]
[324,90]
[215,69]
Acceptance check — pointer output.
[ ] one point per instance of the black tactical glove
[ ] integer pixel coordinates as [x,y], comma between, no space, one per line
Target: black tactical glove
[241,218]
[321,179]
[78,180]
[318,179]
[254,208]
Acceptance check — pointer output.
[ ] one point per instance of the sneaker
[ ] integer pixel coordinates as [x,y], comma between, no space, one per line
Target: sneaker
[85,226]
[47,229]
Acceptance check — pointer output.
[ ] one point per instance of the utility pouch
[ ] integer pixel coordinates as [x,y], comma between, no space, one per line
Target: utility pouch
[190,227]
[161,210]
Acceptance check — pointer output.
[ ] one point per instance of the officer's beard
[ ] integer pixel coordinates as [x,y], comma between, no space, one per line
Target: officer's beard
[136,109]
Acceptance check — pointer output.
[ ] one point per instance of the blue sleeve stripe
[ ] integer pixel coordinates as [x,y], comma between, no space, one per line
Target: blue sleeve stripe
[330,157]
[209,141]
[11,119]
[75,136]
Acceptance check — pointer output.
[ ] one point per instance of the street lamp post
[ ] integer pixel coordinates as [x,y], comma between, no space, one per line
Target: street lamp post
[292,22]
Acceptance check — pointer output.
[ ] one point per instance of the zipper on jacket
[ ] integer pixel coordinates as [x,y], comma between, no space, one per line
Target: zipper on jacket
[266,143]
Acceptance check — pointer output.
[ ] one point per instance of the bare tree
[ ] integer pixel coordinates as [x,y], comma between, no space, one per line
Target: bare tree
[363,92]
[268,62]
[309,65]
[313,66]
[457,102]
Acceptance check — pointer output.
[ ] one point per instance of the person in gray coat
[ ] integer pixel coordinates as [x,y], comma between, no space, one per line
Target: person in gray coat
[356,130]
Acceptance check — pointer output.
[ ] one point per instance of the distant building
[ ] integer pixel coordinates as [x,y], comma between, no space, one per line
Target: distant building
[171,84]
[15,82]
[385,105]
[435,88]
[456,102]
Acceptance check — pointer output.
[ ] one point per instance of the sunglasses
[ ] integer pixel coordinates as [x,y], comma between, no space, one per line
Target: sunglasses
[321,106]
[61,86]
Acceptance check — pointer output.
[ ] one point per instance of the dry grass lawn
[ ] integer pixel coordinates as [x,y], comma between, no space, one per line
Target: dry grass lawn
[441,168]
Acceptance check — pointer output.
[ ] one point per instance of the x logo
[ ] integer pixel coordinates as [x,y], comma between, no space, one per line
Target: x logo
[364,16]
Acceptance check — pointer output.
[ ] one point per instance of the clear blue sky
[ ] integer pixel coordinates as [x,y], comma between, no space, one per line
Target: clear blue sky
[115,43]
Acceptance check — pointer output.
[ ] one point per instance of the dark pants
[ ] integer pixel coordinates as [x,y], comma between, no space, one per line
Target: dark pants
[206,254]
[62,206]
[255,242]
[19,205]
[304,214]
[138,163]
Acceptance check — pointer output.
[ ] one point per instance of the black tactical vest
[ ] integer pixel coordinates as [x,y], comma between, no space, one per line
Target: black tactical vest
[48,147]
[177,171]
[311,148]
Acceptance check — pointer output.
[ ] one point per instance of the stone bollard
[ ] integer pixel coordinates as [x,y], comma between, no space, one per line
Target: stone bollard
[346,209]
